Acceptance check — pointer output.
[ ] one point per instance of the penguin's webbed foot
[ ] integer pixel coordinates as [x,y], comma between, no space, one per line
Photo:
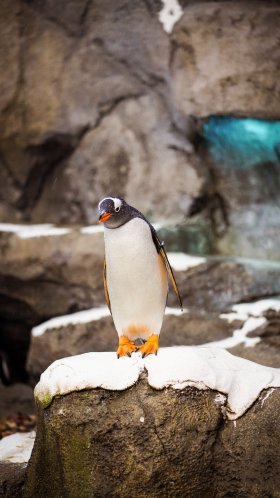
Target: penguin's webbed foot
[126,347]
[149,347]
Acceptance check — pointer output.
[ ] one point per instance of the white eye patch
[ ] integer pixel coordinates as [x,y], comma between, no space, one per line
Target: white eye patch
[117,203]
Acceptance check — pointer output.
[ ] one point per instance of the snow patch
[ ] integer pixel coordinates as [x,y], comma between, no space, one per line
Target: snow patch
[202,367]
[182,262]
[240,335]
[175,311]
[85,316]
[29,231]
[71,319]
[17,448]
[92,229]
[170,13]
[252,315]
[86,371]
[244,310]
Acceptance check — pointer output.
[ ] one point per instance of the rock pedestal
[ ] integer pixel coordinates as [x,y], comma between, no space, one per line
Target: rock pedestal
[143,442]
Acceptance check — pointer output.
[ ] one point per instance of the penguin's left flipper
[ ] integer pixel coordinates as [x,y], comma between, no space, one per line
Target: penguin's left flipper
[160,249]
[106,286]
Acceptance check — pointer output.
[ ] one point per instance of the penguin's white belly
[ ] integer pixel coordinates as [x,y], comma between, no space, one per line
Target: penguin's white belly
[136,279]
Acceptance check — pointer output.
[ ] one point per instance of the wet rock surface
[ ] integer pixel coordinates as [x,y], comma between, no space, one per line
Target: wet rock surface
[168,442]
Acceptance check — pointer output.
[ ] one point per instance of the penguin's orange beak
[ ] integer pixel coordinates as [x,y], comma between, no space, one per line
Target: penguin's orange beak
[104,217]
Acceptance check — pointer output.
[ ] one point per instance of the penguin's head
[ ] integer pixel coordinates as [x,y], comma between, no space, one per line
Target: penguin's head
[114,212]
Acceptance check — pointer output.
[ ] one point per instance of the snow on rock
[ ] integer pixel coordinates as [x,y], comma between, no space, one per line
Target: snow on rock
[170,13]
[28,231]
[257,308]
[85,316]
[252,315]
[89,370]
[239,336]
[17,448]
[178,367]
[73,318]
[181,261]
[92,229]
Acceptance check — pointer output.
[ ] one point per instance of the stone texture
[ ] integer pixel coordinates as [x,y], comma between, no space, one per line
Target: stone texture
[265,352]
[100,335]
[141,157]
[42,277]
[12,478]
[81,74]
[207,290]
[141,442]
[221,282]
[17,398]
[226,53]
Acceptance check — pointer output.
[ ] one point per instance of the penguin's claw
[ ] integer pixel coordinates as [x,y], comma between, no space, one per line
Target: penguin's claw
[126,347]
[149,347]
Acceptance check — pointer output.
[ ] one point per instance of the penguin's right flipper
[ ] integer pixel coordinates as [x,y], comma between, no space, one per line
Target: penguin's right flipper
[160,249]
[106,286]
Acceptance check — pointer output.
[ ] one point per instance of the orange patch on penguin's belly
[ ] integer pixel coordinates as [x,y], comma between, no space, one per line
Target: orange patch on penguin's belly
[136,331]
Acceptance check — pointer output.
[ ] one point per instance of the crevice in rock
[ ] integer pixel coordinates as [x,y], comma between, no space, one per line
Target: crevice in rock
[12,106]
[16,184]
[106,108]
[152,80]
[35,5]
[152,6]
[84,14]
[45,158]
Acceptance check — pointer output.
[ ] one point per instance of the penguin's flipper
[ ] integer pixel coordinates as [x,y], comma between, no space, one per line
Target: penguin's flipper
[105,285]
[160,249]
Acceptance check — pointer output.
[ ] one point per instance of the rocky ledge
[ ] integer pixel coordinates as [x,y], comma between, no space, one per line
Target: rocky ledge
[183,423]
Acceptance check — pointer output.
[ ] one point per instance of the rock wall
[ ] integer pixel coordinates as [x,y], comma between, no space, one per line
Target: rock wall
[98,96]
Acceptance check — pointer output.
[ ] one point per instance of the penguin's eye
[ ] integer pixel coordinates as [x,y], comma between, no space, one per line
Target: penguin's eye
[117,209]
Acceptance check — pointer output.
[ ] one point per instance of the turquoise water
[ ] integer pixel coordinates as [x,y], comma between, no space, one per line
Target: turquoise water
[242,142]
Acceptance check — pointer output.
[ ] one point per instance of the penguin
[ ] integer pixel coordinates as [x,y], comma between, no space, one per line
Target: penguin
[136,270]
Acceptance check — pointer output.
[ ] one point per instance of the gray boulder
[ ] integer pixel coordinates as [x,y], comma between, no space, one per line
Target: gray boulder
[43,276]
[141,441]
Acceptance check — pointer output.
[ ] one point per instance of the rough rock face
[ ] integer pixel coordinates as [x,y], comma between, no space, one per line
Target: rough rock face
[12,478]
[218,283]
[75,89]
[141,442]
[100,335]
[17,398]
[219,63]
[207,289]
[15,451]
[76,82]
[42,277]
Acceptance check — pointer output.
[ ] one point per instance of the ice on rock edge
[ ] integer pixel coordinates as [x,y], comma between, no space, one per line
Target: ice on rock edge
[203,367]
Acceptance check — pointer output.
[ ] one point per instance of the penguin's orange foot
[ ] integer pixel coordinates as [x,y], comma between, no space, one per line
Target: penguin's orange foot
[126,347]
[149,347]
